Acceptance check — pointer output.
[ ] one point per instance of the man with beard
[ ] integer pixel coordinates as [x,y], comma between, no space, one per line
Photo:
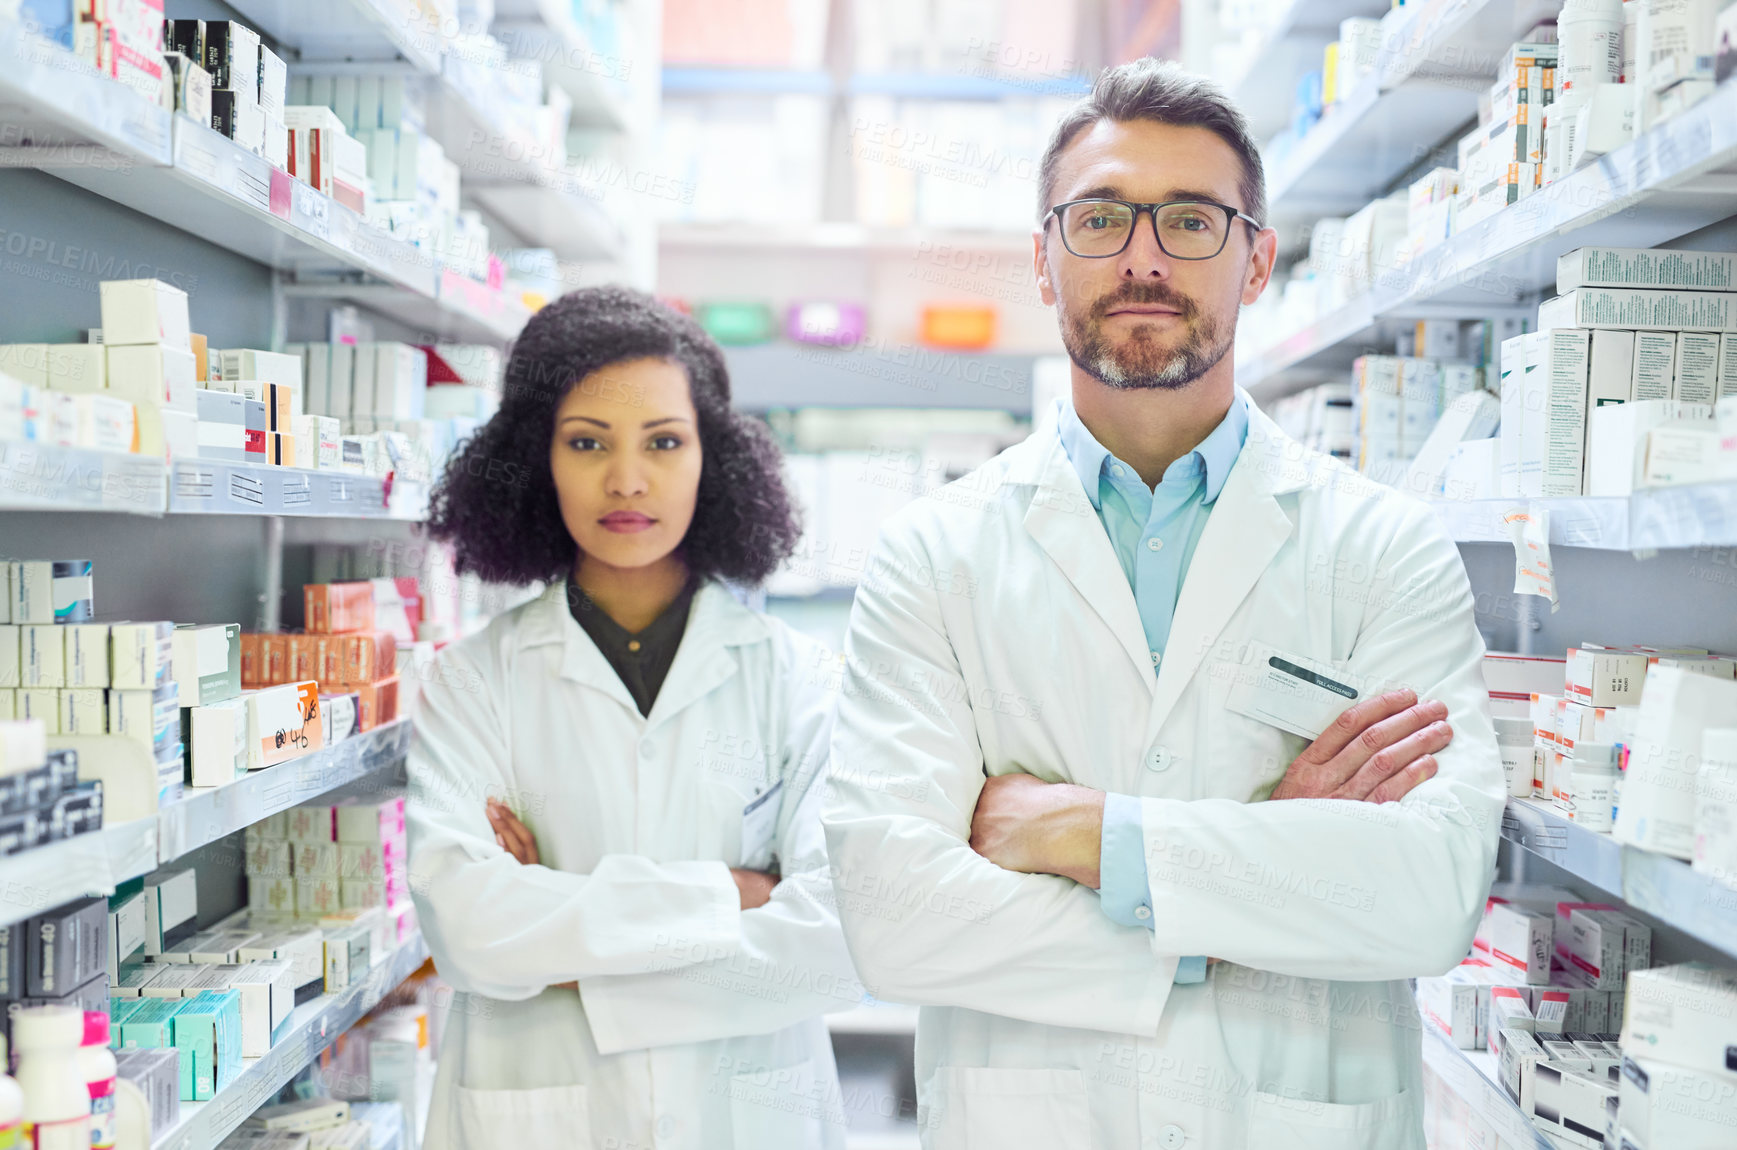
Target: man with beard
[1158,684]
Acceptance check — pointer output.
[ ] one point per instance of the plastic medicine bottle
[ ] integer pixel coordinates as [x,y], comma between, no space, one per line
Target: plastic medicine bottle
[56,1100]
[97,1063]
[11,1107]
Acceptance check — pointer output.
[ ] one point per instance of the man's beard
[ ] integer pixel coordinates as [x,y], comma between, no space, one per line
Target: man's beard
[1140,362]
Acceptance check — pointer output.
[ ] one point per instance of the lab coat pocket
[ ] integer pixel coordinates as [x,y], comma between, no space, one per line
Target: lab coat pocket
[520,1119]
[1298,1124]
[984,1108]
[776,1109]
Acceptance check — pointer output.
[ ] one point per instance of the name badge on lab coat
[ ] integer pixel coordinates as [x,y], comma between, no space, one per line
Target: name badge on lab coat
[760,826]
[1293,692]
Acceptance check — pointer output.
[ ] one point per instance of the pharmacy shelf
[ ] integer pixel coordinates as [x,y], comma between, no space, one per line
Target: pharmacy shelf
[1426,84]
[56,105]
[1694,515]
[1265,85]
[937,243]
[37,880]
[1327,346]
[1675,179]
[217,487]
[226,195]
[462,311]
[49,876]
[309,1030]
[561,213]
[682,81]
[372,30]
[544,30]
[875,1018]
[37,477]
[781,375]
[207,814]
[1665,888]
[76,128]
[1472,1076]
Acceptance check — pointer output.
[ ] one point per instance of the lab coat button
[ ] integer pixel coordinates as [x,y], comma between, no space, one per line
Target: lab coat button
[1154,544]
[1171,1137]
[648,747]
[1142,913]
[666,1127]
[1158,760]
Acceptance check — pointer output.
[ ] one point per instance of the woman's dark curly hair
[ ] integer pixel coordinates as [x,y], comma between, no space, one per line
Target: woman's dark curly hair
[497,505]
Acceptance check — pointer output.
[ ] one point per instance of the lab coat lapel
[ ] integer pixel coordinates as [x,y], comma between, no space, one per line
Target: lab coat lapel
[706,659]
[1065,525]
[581,661]
[1247,527]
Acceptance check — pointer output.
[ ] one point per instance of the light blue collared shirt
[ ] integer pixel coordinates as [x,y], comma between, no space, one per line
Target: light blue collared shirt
[1153,533]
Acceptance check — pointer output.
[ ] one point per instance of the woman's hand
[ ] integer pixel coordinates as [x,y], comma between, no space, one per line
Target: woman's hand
[754,886]
[514,837]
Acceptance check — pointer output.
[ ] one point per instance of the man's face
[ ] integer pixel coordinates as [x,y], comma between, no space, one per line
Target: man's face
[1143,319]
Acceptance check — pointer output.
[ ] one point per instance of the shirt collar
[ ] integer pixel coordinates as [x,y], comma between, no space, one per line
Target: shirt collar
[1218,451]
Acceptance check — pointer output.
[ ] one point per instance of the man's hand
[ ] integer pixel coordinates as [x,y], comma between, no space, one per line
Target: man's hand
[1025,824]
[514,836]
[754,886]
[1376,752]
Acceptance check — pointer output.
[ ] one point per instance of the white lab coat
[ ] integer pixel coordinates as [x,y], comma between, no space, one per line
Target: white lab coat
[995,632]
[696,1025]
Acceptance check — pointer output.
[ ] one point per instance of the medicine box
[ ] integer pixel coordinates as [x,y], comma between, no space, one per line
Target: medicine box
[283,722]
[1637,309]
[1696,378]
[87,654]
[1657,808]
[216,738]
[1553,434]
[1646,268]
[267,993]
[171,909]
[132,977]
[1677,1107]
[67,948]
[153,374]
[126,934]
[1655,365]
[142,655]
[1520,943]
[1601,677]
[1684,1014]
[206,662]
[144,312]
[303,949]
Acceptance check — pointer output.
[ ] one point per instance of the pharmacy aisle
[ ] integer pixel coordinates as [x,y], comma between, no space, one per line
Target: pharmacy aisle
[261,273]
[1509,288]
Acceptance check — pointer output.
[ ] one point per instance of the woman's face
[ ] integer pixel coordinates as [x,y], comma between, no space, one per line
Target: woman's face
[626,462]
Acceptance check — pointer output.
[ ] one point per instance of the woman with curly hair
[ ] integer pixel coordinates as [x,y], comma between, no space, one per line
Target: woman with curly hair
[615,850]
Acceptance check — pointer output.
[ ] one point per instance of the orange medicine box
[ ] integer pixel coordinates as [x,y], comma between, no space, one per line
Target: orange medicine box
[336,608]
[283,722]
[252,665]
[376,703]
[304,657]
[275,649]
[329,660]
[369,658]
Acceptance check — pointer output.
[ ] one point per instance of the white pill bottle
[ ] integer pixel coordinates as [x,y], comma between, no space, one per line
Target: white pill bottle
[56,1099]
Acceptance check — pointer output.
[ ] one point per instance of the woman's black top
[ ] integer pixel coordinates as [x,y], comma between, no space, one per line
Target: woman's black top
[642,660]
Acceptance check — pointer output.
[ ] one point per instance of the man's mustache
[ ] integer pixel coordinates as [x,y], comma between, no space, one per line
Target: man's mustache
[1147,293]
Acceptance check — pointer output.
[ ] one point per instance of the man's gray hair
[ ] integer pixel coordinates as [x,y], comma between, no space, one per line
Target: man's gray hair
[1156,90]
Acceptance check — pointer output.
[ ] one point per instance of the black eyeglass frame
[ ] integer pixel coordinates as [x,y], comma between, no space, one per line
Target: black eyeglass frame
[1231,216]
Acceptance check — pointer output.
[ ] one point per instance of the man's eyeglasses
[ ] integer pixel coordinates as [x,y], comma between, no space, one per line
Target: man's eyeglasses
[1186,229]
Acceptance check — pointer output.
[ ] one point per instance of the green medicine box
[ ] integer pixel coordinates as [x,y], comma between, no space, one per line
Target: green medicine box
[208,1030]
[149,1026]
[120,1009]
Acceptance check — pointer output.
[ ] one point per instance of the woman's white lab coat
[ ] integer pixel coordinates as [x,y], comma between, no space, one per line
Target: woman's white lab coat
[696,1024]
[995,632]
